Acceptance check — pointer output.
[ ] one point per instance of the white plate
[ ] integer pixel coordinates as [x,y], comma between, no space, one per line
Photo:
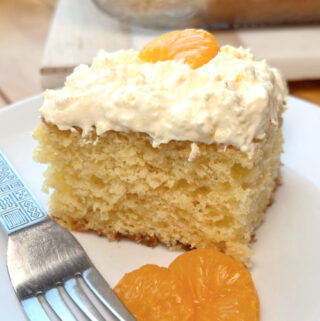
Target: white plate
[287,255]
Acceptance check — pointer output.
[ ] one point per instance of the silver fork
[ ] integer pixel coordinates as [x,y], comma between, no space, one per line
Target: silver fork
[52,276]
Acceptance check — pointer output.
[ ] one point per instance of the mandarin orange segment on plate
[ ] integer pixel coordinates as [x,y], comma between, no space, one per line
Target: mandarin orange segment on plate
[151,293]
[221,287]
[195,47]
[200,285]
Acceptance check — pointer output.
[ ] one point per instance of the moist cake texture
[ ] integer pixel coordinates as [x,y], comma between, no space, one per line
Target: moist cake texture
[163,152]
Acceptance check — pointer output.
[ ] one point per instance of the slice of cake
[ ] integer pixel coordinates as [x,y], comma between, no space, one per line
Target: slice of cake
[179,143]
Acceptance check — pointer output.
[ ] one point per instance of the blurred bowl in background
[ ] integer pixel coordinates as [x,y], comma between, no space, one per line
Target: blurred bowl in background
[156,13]
[216,14]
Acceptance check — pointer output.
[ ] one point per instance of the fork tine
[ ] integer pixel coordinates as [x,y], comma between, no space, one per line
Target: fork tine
[55,300]
[34,310]
[82,301]
[104,292]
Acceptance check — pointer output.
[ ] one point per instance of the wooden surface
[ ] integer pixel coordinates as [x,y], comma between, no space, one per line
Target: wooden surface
[2,102]
[23,29]
[308,90]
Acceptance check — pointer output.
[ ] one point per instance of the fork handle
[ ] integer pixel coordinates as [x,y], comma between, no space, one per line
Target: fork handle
[18,207]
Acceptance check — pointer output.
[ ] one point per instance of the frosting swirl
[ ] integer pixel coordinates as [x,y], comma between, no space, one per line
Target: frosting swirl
[230,100]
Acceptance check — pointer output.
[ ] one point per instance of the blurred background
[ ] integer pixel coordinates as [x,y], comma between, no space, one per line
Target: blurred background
[41,41]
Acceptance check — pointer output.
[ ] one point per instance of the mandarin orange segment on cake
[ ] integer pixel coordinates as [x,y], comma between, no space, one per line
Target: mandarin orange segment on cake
[147,146]
[204,285]
[192,46]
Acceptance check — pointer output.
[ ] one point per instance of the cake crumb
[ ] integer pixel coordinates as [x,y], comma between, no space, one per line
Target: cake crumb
[195,152]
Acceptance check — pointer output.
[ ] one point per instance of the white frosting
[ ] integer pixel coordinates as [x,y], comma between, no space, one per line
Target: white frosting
[230,100]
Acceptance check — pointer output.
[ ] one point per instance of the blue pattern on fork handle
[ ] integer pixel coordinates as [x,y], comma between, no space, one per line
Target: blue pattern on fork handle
[18,206]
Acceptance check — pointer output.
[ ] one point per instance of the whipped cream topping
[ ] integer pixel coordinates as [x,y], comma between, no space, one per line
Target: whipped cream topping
[230,100]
